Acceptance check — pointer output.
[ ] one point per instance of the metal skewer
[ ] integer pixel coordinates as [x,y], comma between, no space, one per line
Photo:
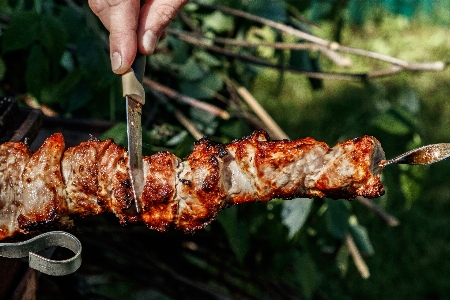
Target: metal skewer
[41,242]
[421,156]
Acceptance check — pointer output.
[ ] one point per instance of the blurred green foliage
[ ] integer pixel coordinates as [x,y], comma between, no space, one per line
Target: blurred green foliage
[58,55]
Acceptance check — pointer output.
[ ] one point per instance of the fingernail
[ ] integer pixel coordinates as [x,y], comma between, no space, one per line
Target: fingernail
[116,61]
[149,41]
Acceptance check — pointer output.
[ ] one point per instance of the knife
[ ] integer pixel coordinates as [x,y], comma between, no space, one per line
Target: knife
[134,94]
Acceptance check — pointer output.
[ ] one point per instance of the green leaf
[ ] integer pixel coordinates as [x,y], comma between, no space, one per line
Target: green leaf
[37,72]
[67,61]
[410,182]
[337,215]
[94,62]
[342,259]
[180,50]
[24,29]
[218,22]
[192,71]
[74,23]
[58,92]
[391,124]
[177,139]
[118,133]
[294,214]
[203,89]
[361,237]
[299,268]
[79,97]
[269,9]
[236,232]
[207,59]
[53,37]
[408,99]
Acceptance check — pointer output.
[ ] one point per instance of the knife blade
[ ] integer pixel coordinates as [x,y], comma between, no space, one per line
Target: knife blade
[134,94]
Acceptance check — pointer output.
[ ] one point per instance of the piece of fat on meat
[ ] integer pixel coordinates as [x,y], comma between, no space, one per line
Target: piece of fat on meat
[13,158]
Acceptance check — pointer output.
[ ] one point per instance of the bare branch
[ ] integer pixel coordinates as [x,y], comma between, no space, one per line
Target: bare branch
[334,46]
[274,130]
[332,55]
[356,256]
[186,99]
[190,127]
[188,124]
[391,220]
[261,62]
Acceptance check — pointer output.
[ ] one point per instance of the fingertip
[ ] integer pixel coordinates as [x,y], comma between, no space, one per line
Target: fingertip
[116,62]
[149,41]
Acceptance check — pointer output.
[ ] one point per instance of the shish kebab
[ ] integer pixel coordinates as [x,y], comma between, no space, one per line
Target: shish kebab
[48,188]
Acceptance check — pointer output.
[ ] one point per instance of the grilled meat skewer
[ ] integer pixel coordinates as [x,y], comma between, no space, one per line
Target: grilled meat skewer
[52,186]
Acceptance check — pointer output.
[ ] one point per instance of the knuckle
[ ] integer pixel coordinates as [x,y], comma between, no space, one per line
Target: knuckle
[166,13]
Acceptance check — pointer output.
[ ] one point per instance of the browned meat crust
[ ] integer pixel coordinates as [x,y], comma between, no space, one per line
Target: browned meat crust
[51,186]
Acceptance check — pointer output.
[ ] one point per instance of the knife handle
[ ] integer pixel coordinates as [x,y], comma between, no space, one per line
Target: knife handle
[138,66]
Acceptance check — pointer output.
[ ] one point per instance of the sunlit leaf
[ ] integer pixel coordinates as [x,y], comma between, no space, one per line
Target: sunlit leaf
[176,139]
[342,259]
[294,214]
[207,59]
[410,182]
[218,21]
[391,124]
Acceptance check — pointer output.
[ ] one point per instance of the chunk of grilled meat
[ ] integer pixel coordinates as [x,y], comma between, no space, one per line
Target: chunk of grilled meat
[50,186]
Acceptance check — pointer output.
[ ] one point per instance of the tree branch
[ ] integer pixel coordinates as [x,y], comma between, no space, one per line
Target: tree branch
[334,46]
[186,99]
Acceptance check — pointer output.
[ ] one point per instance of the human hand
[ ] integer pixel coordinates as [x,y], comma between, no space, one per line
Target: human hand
[133,28]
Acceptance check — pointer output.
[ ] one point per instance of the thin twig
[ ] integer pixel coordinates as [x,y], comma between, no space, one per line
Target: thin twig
[274,130]
[332,55]
[391,220]
[319,75]
[186,99]
[261,62]
[412,66]
[190,127]
[188,124]
[356,256]
[241,111]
